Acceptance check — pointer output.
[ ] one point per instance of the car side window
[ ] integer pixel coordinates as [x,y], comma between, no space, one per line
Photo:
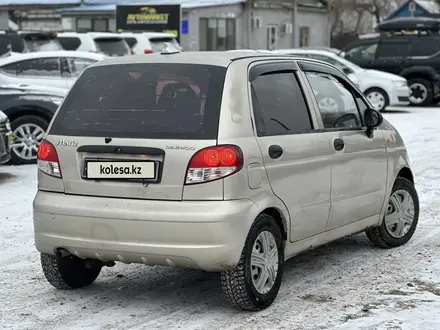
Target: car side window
[279,105]
[388,49]
[362,52]
[42,67]
[74,66]
[337,105]
[10,69]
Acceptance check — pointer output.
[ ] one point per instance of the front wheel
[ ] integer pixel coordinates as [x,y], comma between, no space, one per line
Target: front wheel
[254,284]
[378,98]
[401,217]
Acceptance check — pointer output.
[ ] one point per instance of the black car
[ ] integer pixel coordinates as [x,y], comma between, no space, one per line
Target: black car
[5,133]
[30,110]
[409,47]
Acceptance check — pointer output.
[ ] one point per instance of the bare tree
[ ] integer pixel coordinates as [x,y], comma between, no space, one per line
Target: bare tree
[353,17]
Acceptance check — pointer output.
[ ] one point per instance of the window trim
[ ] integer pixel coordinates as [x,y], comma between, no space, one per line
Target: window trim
[305,67]
[261,69]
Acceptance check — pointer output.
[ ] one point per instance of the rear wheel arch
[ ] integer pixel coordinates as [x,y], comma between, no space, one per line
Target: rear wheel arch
[16,112]
[279,218]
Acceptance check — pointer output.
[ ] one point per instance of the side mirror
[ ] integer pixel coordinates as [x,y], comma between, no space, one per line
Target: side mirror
[372,119]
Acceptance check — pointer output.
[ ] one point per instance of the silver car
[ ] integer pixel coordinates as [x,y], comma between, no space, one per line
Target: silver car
[220,161]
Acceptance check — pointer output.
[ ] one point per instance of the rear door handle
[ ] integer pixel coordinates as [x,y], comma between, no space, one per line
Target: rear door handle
[275,151]
[338,144]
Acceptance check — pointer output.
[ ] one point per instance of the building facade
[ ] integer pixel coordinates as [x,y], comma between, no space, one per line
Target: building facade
[206,24]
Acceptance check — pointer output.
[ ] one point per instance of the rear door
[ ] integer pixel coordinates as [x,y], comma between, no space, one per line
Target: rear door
[129,131]
[392,54]
[296,158]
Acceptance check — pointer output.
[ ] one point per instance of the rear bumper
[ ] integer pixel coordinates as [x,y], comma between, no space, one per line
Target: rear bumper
[206,235]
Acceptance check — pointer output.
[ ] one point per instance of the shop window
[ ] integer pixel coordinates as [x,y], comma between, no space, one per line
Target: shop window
[100,25]
[83,24]
[304,36]
[216,34]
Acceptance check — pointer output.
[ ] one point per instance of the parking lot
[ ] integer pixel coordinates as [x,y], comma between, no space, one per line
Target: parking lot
[348,284]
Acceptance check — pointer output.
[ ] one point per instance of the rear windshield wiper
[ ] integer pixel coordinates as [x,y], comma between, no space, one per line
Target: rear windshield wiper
[276,120]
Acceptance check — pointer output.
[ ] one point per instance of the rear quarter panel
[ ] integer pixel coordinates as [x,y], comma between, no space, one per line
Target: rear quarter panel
[237,127]
[397,158]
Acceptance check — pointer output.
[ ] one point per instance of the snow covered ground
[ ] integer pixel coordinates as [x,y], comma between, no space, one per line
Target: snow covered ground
[348,284]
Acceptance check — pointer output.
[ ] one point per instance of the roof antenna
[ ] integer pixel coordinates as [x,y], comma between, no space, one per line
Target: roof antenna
[169,49]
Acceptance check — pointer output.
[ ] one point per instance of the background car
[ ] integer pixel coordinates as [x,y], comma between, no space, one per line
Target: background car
[381,88]
[29,110]
[57,68]
[5,133]
[148,42]
[107,43]
[409,47]
[30,41]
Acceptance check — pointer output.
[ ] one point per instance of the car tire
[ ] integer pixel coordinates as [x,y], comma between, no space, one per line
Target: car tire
[238,284]
[380,93]
[385,235]
[69,272]
[424,87]
[26,121]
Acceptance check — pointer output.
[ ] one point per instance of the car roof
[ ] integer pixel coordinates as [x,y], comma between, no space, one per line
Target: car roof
[90,34]
[218,58]
[46,54]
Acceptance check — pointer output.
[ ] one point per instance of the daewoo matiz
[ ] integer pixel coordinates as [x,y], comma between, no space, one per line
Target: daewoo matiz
[220,161]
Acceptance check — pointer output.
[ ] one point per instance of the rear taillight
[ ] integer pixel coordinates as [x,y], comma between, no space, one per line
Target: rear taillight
[47,159]
[131,52]
[148,51]
[214,163]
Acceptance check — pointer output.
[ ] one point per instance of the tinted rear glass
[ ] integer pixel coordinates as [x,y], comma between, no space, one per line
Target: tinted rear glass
[152,101]
[112,46]
[157,43]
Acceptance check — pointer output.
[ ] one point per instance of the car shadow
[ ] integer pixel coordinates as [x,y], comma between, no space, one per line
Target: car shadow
[167,290]
[5,176]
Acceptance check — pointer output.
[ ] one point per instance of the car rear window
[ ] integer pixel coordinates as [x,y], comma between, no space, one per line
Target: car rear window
[112,46]
[152,101]
[157,43]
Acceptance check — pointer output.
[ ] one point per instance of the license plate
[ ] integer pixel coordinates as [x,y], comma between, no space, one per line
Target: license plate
[120,170]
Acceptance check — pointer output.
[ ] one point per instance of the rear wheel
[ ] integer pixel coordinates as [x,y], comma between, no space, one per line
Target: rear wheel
[69,272]
[28,133]
[421,92]
[254,284]
[401,217]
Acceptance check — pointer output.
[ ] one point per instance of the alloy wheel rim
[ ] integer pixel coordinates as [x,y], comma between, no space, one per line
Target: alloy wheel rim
[419,93]
[400,214]
[264,262]
[27,138]
[377,100]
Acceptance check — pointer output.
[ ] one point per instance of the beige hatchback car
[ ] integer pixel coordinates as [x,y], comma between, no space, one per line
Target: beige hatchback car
[220,161]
